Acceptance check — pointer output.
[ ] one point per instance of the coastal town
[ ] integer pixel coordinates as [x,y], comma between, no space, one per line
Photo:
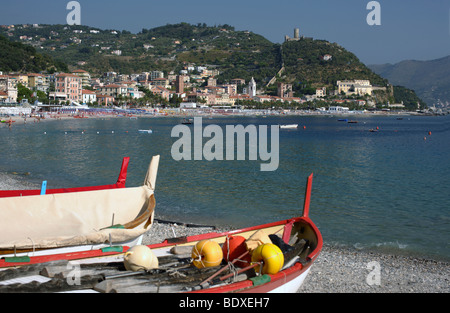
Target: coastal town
[193,88]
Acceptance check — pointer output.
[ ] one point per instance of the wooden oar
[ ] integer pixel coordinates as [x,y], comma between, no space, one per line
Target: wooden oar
[224,268]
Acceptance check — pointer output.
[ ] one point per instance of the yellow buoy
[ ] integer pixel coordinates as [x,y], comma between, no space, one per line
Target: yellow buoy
[271,256]
[207,253]
[140,258]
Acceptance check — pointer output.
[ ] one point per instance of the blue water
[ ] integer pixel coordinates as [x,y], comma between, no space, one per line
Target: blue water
[385,190]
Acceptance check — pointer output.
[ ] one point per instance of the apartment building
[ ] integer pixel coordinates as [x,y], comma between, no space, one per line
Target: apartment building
[113,90]
[70,85]
[38,82]
[85,77]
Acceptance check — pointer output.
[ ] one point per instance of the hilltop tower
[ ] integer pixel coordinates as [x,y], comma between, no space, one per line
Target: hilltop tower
[296,35]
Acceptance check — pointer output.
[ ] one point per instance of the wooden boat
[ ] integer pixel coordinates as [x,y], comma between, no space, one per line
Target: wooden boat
[298,238]
[121,180]
[40,225]
[289,126]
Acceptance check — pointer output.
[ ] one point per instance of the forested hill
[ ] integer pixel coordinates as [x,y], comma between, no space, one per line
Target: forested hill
[237,53]
[18,57]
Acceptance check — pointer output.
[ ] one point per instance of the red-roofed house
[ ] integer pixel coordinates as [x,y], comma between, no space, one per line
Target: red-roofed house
[163,92]
[105,100]
[89,96]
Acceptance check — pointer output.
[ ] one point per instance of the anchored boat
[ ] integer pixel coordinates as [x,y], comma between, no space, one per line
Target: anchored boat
[289,126]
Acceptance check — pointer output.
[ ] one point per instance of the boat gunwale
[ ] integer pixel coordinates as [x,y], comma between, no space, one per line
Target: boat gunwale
[120,183]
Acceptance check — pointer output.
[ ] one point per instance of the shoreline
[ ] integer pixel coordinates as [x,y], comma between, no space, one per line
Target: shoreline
[20,120]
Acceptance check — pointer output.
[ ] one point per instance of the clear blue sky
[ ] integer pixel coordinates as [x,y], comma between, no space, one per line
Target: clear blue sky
[410,29]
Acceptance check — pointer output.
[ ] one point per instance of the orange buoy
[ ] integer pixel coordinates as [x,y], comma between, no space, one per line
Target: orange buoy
[206,253]
[429,133]
[233,248]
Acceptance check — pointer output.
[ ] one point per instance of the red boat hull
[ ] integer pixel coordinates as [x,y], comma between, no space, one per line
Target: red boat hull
[119,184]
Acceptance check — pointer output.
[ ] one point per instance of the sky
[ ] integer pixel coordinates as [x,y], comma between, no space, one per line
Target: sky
[408,30]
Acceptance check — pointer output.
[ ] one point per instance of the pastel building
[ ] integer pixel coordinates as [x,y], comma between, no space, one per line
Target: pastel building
[70,85]
[85,76]
[357,86]
[38,82]
[89,96]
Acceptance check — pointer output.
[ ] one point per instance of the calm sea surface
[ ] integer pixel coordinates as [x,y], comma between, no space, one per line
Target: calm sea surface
[387,190]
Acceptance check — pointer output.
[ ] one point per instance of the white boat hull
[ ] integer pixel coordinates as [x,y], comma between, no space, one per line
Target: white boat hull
[289,126]
[293,285]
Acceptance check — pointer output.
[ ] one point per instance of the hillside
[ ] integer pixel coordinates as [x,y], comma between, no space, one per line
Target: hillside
[429,79]
[237,54]
[18,57]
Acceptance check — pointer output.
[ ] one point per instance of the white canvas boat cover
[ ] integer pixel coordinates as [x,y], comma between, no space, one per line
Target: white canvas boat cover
[78,218]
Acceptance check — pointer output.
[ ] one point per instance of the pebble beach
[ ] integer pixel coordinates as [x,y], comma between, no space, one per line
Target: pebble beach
[347,270]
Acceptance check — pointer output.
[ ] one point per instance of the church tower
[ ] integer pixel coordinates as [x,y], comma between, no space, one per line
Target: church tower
[252,88]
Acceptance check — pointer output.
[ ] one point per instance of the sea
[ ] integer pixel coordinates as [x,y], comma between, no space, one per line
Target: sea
[386,190]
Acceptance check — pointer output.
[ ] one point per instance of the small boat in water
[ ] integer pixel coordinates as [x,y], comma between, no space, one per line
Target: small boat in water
[352,122]
[76,221]
[121,180]
[289,126]
[145,131]
[187,121]
[273,257]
